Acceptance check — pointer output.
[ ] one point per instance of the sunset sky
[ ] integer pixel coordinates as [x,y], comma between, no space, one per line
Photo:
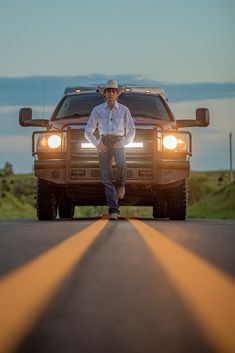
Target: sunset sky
[159,42]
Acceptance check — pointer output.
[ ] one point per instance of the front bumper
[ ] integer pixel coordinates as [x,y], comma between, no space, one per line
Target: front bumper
[62,172]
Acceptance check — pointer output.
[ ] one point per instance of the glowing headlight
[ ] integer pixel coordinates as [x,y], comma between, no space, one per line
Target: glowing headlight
[47,142]
[170,142]
[135,145]
[87,145]
[181,144]
[175,142]
[130,145]
[54,141]
[43,141]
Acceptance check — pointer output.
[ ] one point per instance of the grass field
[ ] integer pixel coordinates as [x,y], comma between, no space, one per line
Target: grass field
[211,196]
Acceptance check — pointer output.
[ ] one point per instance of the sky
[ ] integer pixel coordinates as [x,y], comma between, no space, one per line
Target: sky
[161,42]
[168,40]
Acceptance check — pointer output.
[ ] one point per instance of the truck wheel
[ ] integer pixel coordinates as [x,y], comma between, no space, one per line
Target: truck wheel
[66,209]
[160,209]
[45,201]
[177,202]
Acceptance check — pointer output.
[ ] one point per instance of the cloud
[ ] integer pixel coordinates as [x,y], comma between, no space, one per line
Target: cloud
[15,109]
[47,90]
[210,145]
[15,144]
[221,112]
[17,151]
[9,119]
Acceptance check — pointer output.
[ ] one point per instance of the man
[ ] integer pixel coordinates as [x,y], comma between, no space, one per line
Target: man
[116,129]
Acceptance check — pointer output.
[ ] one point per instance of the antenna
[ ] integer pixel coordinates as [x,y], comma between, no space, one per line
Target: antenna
[43,98]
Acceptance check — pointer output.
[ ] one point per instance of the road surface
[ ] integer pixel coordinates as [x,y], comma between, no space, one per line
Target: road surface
[127,286]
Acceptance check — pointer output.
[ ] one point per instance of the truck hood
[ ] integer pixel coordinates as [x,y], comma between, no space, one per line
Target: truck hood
[139,122]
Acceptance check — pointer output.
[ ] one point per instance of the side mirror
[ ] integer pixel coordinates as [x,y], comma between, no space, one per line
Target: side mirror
[203,116]
[202,119]
[25,114]
[25,119]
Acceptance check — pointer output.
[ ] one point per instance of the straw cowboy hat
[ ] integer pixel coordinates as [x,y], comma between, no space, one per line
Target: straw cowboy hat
[110,84]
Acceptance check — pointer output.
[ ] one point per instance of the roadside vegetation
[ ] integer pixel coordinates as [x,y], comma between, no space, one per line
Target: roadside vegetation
[211,196]
[17,196]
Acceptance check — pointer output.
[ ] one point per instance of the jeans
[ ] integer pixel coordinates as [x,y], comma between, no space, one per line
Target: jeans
[105,161]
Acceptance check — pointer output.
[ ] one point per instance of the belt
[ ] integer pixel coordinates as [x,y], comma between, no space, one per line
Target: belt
[106,138]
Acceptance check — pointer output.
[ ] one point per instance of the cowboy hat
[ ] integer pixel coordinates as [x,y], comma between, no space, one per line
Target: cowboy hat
[110,84]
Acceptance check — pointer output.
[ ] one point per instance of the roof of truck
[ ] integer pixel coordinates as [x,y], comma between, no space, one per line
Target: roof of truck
[127,89]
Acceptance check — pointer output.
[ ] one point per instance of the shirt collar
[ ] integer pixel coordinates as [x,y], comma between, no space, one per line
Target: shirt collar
[115,105]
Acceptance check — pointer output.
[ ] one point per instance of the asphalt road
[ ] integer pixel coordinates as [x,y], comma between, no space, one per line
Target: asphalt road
[127,286]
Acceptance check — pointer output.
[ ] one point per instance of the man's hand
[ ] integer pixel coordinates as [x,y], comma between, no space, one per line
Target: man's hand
[101,147]
[117,145]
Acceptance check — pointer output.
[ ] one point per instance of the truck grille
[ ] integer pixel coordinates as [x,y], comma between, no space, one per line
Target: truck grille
[85,165]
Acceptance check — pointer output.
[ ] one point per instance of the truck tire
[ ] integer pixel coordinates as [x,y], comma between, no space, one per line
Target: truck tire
[66,209]
[160,209]
[45,201]
[177,202]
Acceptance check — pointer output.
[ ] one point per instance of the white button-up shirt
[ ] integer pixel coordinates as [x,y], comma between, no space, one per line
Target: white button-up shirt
[117,121]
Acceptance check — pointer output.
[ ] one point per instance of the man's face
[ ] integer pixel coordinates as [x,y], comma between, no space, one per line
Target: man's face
[111,95]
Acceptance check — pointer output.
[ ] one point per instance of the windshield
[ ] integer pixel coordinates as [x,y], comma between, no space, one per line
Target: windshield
[139,104]
[145,105]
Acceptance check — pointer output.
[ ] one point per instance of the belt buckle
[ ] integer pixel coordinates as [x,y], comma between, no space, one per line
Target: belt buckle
[111,138]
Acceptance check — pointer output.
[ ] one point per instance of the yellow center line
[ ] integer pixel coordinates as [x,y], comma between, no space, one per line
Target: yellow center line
[25,292]
[209,292]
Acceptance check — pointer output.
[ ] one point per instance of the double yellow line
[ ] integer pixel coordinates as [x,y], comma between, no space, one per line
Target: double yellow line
[25,293]
[209,292]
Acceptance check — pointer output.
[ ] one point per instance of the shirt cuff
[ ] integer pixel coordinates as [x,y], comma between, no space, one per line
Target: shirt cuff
[123,142]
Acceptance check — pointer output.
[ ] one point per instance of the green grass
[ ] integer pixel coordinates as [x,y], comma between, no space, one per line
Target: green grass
[218,205]
[211,196]
[12,208]
[203,184]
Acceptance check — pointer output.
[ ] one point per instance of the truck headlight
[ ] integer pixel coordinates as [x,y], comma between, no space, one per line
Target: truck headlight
[130,145]
[169,142]
[175,142]
[50,141]
[54,141]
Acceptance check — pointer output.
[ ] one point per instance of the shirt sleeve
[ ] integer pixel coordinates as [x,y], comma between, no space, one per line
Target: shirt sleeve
[130,128]
[90,128]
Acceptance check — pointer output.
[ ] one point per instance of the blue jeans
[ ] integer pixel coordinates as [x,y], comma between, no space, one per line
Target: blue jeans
[105,161]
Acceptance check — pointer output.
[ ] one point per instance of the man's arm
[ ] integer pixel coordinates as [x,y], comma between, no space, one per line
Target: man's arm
[130,128]
[89,132]
[90,128]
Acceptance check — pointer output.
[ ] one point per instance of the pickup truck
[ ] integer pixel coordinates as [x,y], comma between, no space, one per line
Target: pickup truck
[158,160]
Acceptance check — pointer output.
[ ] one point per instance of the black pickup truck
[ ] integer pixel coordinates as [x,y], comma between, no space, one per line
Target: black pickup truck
[66,165]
